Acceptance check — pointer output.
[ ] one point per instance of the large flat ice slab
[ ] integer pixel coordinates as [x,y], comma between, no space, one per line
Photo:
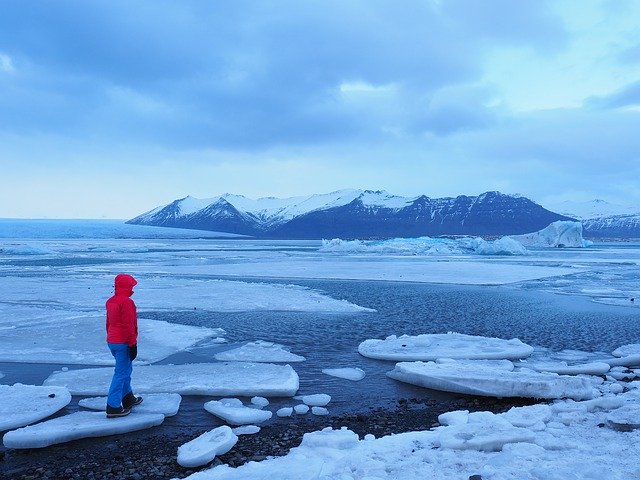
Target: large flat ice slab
[167,404]
[203,449]
[259,351]
[81,340]
[448,345]
[463,272]
[216,379]
[491,382]
[78,425]
[21,405]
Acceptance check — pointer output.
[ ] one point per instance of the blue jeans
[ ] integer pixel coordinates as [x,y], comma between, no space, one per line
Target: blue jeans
[121,381]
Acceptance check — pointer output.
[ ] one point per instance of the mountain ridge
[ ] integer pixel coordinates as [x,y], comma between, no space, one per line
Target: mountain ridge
[354,213]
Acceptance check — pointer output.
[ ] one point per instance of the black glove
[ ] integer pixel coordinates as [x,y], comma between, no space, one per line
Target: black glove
[133,352]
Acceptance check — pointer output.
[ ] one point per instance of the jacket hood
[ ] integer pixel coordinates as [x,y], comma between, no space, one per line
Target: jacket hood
[124,284]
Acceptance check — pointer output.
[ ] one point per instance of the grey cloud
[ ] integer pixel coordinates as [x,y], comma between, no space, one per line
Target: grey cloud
[250,74]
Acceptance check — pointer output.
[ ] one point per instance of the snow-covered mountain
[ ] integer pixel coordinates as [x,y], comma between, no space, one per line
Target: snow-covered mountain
[602,219]
[355,214]
[593,209]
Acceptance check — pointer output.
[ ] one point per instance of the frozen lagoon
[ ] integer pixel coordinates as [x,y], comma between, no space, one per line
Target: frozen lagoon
[321,306]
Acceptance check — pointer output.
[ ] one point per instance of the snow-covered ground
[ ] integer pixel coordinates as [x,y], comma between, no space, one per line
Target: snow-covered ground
[560,441]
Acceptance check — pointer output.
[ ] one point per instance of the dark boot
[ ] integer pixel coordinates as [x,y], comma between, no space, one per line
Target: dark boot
[130,400]
[113,412]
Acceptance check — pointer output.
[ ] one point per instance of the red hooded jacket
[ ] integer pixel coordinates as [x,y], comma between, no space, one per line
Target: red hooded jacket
[122,319]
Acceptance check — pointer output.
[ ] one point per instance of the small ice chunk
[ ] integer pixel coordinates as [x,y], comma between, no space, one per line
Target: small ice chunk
[260,402]
[204,448]
[528,416]
[457,417]
[616,388]
[285,412]
[369,437]
[354,374]
[232,411]
[301,409]
[246,430]
[342,439]
[320,411]
[317,400]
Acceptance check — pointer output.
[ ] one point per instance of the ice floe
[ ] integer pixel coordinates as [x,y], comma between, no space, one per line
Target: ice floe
[491,382]
[260,401]
[78,425]
[21,405]
[348,373]
[82,340]
[232,411]
[449,345]
[167,404]
[203,449]
[259,351]
[566,439]
[215,379]
[320,411]
[284,412]
[316,400]
[301,409]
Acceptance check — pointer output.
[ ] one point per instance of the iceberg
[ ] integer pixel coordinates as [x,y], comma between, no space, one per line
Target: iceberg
[21,405]
[232,411]
[557,234]
[492,382]
[449,345]
[203,449]
[78,425]
[215,379]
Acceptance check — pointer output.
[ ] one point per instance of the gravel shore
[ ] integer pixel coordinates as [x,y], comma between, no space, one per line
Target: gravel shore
[151,454]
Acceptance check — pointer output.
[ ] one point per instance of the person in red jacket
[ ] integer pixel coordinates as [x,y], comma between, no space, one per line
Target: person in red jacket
[122,339]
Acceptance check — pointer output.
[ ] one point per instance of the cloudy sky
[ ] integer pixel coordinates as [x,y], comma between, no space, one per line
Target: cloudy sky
[110,108]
